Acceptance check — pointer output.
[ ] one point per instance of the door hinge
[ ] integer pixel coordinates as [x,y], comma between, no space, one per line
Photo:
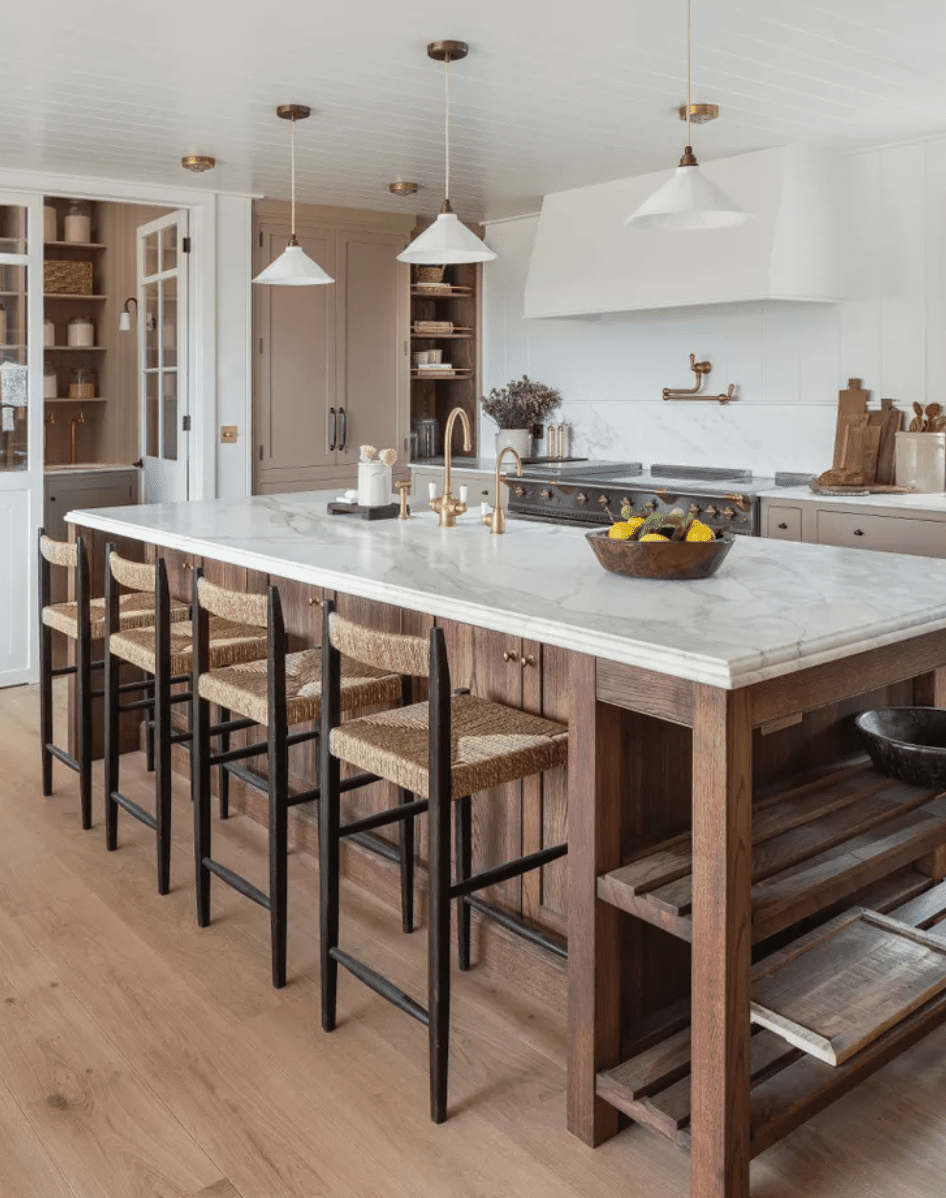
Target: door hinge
[261,345]
[186,424]
[261,239]
[261,453]
[186,246]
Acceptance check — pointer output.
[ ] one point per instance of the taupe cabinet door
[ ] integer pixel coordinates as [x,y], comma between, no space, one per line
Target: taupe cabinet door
[331,361]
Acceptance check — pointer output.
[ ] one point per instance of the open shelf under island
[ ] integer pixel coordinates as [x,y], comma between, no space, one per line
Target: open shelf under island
[716,810]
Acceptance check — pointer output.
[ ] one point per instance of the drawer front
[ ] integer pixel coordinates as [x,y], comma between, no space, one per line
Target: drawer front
[892,534]
[782,522]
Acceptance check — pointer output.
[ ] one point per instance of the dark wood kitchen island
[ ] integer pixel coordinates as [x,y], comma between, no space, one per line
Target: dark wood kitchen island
[701,714]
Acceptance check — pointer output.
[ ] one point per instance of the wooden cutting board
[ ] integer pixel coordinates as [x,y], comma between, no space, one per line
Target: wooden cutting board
[861,449]
[852,403]
[891,424]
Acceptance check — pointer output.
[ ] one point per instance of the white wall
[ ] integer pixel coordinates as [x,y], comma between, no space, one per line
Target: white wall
[787,360]
[234,332]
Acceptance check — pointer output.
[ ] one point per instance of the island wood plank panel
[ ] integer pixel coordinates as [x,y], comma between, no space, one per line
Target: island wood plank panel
[837,994]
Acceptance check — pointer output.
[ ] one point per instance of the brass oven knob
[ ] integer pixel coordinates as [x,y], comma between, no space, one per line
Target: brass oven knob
[729,512]
[581,498]
[650,504]
[625,502]
[546,494]
[712,511]
[602,501]
[695,509]
[519,492]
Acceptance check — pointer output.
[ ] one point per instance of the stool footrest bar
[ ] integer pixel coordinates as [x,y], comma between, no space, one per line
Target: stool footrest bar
[381,985]
[237,882]
[382,818]
[518,926]
[374,844]
[61,671]
[132,808]
[511,869]
[63,756]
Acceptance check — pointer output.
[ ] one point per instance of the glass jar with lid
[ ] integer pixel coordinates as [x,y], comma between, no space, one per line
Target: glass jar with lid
[81,332]
[50,382]
[77,227]
[82,383]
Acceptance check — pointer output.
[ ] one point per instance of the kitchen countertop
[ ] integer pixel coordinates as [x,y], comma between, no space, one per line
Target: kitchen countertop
[474,465]
[88,468]
[934,503]
[775,607]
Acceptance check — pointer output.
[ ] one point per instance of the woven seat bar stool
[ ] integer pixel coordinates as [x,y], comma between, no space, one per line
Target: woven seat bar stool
[165,653]
[81,620]
[444,751]
[278,692]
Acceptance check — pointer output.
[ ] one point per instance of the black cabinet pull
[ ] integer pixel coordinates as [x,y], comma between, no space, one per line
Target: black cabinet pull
[858,532]
[344,438]
[783,526]
[334,428]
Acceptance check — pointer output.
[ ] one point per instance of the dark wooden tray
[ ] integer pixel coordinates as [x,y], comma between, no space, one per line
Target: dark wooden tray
[389,511]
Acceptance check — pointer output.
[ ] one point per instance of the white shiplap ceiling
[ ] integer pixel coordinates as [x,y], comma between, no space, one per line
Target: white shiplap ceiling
[554,95]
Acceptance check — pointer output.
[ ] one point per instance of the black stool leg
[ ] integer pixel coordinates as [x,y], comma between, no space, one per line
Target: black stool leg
[407,864]
[112,718]
[84,720]
[149,743]
[224,779]
[438,953]
[200,786]
[329,820]
[162,733]
[46,704]
[464,820]
[278,842]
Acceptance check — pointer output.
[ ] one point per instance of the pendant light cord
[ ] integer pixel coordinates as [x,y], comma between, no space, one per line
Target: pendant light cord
[446,129]
[292,160]
[689,83]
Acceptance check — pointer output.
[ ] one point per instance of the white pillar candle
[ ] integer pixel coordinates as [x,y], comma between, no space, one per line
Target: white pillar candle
[432,490]
[464,492]
[484,508]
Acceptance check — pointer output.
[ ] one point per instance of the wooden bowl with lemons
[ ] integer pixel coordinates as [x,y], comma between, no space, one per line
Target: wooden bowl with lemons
[698,554]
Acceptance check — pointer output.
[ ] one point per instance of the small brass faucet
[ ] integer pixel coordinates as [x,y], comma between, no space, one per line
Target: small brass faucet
[496,520]
[73,429]
[448,507]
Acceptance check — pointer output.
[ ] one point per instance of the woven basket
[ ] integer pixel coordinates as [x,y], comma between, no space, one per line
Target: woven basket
[433,326]
[430,274]
[61,277]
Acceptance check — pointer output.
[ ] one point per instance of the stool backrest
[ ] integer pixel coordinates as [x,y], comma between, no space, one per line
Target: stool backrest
[237,606]
[136,576]
[58,553]
[393,652]
[71,557]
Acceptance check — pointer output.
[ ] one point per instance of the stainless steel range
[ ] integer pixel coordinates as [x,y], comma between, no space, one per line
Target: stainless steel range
[594,493]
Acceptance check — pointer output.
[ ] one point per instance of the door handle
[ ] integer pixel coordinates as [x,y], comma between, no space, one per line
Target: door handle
[138,464]
[344,436]
[334,428]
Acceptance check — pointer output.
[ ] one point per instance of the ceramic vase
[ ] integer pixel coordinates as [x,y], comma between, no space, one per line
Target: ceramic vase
[519,438]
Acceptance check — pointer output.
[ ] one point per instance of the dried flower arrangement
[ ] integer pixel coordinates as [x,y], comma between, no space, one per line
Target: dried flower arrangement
[521,403]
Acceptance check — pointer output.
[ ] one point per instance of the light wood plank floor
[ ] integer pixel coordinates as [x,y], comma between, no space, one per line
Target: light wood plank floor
[142,1056]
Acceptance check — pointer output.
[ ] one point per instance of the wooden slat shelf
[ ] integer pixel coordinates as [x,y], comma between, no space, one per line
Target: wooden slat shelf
[787,1086]
[67,295]
[75,245]
[418,336]
[453,293]
[812,847]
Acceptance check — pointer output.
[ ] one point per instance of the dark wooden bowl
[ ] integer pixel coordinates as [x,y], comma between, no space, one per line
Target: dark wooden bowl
[677,561]
[907,743]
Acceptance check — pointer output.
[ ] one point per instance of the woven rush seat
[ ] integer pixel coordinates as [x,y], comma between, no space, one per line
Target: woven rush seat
[243,687]
[136,610]
[490,744]
[230,643]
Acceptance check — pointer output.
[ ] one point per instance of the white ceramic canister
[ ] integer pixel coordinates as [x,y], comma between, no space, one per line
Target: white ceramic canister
[3,325]
[50,383]
[77,227]
[374,484]
[519,438]
[49,332]
[81,331]
[921,461]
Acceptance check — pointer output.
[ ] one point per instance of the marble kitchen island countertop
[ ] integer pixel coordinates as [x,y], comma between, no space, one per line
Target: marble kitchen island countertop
[933,504]
[774,608]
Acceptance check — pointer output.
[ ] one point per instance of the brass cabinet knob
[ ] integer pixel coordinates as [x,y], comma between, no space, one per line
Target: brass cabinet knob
[527,660]
[602,501]
[188,565]
[582,497]
[519,492]
[510,655]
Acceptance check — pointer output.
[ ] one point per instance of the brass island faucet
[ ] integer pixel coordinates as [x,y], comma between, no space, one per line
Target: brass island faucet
[448,507]
[496,519]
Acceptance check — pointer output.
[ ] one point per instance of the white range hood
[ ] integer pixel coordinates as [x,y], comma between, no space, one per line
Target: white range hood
[585,261]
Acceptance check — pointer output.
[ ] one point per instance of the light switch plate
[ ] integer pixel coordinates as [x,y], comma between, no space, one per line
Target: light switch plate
[228,434]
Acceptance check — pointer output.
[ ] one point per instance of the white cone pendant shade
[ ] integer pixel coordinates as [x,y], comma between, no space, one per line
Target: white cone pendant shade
[447,240]
[293,268]
[688,200]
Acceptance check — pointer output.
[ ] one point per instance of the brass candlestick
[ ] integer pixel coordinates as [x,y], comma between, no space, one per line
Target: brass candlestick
[404,487]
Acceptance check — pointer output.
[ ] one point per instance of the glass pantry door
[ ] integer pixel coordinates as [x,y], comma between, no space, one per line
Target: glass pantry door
[162,358]
[21,432]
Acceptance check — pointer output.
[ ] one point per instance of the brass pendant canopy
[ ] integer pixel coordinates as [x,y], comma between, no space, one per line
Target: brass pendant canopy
[198,163]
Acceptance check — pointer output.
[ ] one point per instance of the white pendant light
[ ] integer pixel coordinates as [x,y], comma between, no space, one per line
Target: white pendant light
[688,200]
[293,267]
[446,241]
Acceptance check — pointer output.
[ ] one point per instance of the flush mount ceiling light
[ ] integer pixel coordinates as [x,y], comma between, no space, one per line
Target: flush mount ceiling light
[293,267]
[402,187]
[447,240]
[198,163]
[688,200]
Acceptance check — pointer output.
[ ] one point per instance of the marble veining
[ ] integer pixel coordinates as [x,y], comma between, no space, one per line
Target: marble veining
[774,607]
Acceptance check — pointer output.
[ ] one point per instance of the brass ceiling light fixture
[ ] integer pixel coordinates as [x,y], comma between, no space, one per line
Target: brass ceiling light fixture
[447,240]
[688,200]
[293,267]
[402,187]
[198,163]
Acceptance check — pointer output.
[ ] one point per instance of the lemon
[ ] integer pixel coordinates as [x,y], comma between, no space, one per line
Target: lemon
[623,530]
[700,532]
[654,536]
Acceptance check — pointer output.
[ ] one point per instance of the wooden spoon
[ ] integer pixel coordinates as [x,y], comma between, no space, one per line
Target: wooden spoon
[938,424]
[932,411]
[920,421]
[914,426]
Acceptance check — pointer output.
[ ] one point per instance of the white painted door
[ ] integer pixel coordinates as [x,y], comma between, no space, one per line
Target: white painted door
[164,410]
[21,431]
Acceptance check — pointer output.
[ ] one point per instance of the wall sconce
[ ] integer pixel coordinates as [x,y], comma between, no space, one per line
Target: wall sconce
[124,321]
